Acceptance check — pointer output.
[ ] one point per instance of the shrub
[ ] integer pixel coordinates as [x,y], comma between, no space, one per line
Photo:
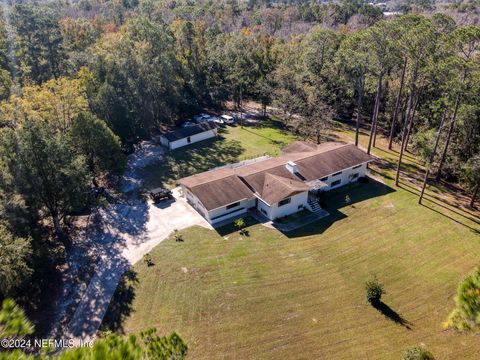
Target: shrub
[177,236]
[148,260]
[239,223]
[466,315]
[417,353]
[347,200]
[374,290]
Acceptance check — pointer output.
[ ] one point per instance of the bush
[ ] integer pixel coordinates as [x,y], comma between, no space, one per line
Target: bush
[148,260]
[240,224]
[466,314]
[374,290]
[417,353]
[177,236]
[347,200]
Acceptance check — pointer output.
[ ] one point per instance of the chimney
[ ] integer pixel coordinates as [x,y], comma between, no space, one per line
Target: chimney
[292,167]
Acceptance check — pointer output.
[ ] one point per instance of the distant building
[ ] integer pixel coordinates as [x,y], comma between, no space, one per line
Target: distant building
[276,187]
[188,135]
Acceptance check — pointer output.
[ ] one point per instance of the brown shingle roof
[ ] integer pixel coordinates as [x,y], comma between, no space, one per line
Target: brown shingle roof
[326,163]
[276,188]
[224,186]
[307,146]
[221,192]
[299,146]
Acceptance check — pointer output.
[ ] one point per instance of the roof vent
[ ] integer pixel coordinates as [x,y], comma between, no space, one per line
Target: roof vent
[292,167]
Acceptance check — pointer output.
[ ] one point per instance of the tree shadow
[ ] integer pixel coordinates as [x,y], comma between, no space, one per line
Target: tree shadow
[189,160]
[334,200]
[388,312]
[121,304]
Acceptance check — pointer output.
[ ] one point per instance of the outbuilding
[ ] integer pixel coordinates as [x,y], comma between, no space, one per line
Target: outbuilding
[188,135]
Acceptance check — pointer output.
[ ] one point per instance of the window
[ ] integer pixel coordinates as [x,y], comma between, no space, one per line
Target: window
[189,140]
[300,207]
[336,174]
[335,183]
[324,178]
[353,176]
[232,205]
[284,202]
[263,211]
[356,167]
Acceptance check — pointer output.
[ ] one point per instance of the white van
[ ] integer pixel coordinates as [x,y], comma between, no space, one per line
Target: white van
[227,119]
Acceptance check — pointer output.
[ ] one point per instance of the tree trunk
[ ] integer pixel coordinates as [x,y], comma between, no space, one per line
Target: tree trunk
[59,231]
[359,108]
[432,157]
[397,105]
[474,195]
[404,131]
[375,113]
[412,119]
[447,142]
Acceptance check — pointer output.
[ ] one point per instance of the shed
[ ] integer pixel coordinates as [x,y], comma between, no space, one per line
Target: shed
[188,135]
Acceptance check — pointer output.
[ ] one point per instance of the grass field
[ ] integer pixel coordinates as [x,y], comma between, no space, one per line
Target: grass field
[300,295]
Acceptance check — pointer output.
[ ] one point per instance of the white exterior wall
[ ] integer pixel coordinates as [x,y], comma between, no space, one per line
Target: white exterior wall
[193,139]
[164,141]
[296,200]
[195,202]
[345,177]
[209,215]
[242,208]
[267,211]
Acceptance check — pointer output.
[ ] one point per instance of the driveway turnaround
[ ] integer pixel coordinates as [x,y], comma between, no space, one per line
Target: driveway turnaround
[124,234]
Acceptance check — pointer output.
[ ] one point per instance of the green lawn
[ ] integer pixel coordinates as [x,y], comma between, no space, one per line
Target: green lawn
[232,145]
[273,296]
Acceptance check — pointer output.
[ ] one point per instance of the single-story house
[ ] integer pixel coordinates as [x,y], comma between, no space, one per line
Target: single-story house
[188,135]
[277,186]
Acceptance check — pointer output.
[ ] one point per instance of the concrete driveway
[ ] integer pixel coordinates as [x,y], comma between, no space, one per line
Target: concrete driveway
[163,218]
[123,235]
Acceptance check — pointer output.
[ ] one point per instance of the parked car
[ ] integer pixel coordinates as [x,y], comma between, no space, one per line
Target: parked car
[227,119]
[202,118]
[160,194]
[187,124]
[218,120]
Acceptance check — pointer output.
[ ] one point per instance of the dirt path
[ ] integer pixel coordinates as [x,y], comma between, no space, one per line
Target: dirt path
[119,237]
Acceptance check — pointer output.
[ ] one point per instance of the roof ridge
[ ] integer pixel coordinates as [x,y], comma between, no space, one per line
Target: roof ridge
[284,180]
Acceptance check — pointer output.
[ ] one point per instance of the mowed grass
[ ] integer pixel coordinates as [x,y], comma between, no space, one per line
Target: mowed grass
[301,296]
[233,144]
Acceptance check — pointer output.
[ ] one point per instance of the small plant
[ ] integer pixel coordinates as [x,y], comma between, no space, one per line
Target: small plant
[374,290]
[148,260]
[239,224]
[177,236]
[347,200]
[417,353]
